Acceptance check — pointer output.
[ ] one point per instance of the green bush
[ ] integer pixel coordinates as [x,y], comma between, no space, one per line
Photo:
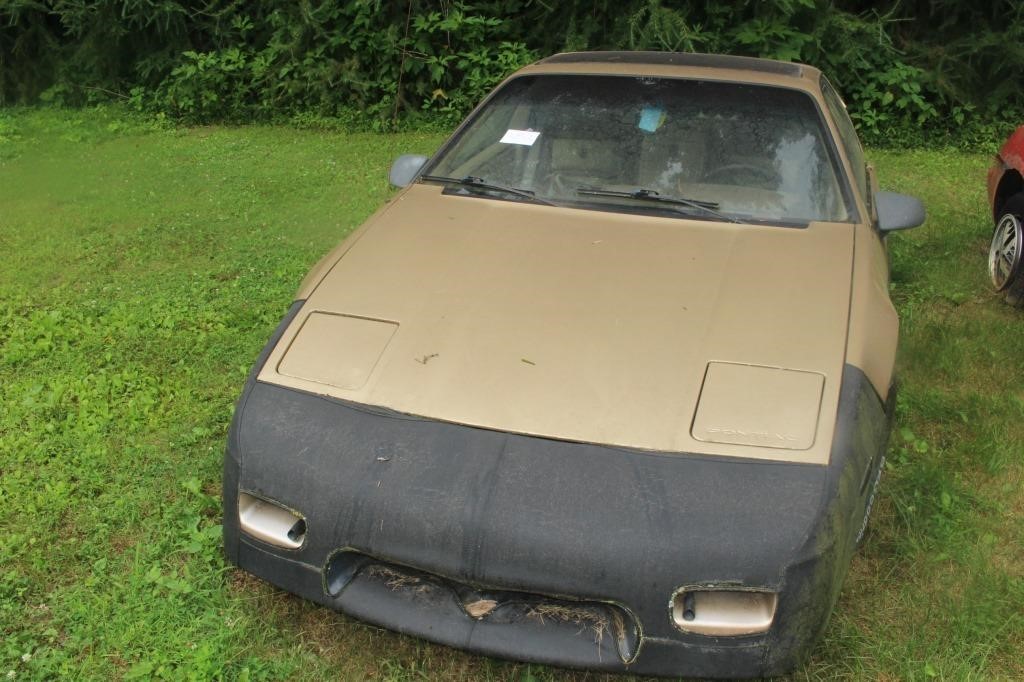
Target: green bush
[910,70]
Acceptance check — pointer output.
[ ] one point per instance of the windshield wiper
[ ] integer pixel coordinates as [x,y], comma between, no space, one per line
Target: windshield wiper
[480,183]
[651,195]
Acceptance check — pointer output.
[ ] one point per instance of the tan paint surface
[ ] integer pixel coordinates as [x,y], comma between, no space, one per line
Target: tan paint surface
[337,350]
[764,406]
[581,325]
[874,325]
[808,78]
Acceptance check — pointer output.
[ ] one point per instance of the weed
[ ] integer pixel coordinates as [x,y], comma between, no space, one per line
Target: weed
[585,617]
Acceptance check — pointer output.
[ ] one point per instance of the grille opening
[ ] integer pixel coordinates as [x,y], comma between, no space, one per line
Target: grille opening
[608,626]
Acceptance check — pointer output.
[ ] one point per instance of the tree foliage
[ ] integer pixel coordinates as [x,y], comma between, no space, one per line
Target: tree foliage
[903,66]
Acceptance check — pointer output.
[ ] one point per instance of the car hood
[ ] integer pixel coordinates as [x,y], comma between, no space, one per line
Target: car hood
[649,332]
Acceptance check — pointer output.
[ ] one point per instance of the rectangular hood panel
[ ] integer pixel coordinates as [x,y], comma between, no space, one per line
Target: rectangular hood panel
[574,324]
[336,350]
[764,406]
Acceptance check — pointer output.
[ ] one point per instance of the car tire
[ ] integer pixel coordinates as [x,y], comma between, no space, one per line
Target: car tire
[1006,250]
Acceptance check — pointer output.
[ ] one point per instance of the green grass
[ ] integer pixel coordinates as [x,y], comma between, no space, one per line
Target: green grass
[142,269]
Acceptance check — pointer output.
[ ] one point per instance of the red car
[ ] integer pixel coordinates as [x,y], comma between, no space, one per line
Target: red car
[1006,198]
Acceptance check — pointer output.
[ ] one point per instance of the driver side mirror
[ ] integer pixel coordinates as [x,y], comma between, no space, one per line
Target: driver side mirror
[405,168]
[898,211]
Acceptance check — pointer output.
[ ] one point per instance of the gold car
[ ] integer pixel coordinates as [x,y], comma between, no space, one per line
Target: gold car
[607,385]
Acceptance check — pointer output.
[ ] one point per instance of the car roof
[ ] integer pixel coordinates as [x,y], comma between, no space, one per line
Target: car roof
[680,65]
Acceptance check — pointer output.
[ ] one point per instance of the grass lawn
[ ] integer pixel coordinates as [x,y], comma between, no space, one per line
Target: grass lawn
[142,269]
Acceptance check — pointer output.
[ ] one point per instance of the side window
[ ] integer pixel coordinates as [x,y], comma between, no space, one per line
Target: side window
[848,137]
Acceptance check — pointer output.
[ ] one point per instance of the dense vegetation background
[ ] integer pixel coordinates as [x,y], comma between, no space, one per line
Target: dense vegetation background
[911,70]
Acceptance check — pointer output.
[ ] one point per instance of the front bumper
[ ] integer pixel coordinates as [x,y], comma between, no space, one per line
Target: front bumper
[580,547]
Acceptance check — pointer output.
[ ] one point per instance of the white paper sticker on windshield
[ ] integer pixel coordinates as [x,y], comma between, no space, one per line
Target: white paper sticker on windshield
[527,137]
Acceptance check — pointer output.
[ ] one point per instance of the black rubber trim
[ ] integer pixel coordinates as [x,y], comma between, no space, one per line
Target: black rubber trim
[715,61]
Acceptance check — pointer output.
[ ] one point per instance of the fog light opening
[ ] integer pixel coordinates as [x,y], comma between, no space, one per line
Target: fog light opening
[270,522]
[725,613]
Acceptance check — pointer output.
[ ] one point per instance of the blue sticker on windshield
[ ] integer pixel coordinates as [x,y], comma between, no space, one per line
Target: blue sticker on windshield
[651,118]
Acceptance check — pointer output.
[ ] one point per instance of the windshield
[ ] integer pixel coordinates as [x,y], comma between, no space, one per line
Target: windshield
[750,152]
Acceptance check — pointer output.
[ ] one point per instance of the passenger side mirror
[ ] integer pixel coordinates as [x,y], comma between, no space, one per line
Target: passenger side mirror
[405,168]
[898,211]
